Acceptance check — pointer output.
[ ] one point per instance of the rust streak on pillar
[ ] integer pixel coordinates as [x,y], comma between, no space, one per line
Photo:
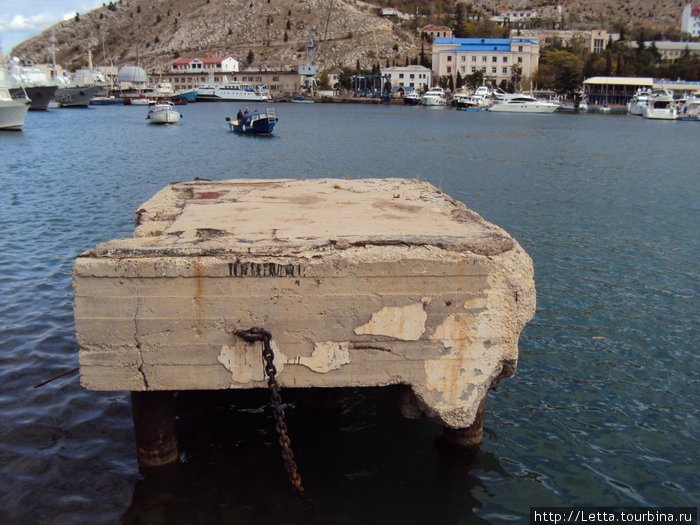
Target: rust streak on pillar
[470,437]
[154,428]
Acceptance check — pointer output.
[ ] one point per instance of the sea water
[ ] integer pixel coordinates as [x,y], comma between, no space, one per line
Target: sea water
[602,411]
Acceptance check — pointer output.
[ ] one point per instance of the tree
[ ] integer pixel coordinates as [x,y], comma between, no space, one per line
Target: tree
[251,56]
[561,71]
[286,37]
[77,17]
[324,80]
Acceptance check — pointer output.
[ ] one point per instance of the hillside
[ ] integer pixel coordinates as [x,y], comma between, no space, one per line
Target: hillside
[153,32]
[277,33]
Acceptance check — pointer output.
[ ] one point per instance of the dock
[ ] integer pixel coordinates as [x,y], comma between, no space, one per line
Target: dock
[366,282]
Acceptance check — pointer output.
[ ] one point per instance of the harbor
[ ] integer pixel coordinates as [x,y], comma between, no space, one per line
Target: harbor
[601,408]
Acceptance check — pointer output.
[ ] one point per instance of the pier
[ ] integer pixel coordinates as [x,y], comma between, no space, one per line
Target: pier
[369,282]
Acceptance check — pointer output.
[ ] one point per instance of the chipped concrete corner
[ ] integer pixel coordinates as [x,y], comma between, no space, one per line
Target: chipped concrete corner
[361,283]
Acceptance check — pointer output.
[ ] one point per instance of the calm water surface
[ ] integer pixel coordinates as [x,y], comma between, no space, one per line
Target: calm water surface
[603,409]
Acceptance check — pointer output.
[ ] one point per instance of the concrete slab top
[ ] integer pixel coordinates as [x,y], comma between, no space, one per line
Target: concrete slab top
[286,216]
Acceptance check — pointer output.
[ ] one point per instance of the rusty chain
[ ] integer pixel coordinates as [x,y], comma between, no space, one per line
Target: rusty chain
[260,334]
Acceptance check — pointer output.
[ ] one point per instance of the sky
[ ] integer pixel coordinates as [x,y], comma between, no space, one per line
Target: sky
[23,19]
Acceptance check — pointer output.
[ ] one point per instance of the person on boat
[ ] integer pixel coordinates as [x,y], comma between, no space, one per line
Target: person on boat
[246,116]
[239,116]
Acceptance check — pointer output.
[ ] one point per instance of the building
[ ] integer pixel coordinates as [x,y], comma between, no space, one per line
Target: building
[392,11]
[690,20]
[281,83]
[436,31]
[416,77]
[596,40]
[670,50]
[616,91]
[495,57]
[517,18]
[204,65]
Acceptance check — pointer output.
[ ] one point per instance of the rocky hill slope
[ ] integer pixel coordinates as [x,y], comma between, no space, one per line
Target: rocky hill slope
[270,34]
[273,33]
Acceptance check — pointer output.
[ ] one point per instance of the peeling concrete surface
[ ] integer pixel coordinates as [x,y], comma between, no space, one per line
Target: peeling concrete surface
[361,283]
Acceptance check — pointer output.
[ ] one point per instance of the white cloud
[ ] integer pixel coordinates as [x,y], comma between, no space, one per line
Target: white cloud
[27,23]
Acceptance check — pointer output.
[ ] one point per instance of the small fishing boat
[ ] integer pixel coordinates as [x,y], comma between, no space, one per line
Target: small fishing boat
[163,113]
[302,100]
[255,123]
[411,99]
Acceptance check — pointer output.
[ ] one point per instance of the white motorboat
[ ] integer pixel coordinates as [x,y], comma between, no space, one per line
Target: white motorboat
[163,113]
[434,97]
[212,91]
[12,110]
[691,108]
[521,103]
[661,106]
[639,101]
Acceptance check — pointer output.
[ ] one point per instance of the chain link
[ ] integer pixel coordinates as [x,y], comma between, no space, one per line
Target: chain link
[260,334]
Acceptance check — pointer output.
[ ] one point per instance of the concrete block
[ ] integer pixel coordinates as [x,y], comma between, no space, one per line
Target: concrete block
[361,283]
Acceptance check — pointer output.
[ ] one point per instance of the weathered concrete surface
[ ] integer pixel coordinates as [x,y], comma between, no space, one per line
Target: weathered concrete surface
[361,283]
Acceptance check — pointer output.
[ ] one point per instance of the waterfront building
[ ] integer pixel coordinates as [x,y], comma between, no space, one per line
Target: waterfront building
[281,83]
[495,57]
[434,31]
[204,65]
[415,76]
[690,20]
[617,91]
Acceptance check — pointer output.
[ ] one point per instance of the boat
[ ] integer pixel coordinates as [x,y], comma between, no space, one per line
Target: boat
[12,110]
[163,113]
[411,99]
[140,101]
[435,96]
[302,100]
[639,101]
[480,100]
[661,106]
[225,90]
[188,94]
[75,96]
[691,108]
[255,124]
[31,81]
[521,103]
[106,101]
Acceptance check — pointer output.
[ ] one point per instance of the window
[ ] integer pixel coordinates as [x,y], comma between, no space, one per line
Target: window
[493,70]
[520,49]
[400,75]
[449,58]
[473,69]
[494,59]
[473,58]
[464,59]
[505,70]
[505,59]
[412,76]
[483,59]
[464,69]
[449,70]
[520,60]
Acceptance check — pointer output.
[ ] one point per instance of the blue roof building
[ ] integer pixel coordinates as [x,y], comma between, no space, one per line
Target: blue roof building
[495,57]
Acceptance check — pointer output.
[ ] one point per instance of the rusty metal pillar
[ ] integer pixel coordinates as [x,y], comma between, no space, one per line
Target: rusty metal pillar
[468,438]
[154,428]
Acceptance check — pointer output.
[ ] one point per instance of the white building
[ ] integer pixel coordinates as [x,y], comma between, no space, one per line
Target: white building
[204,65]
[494,57]
[522,18]
[690,20]
[416,77]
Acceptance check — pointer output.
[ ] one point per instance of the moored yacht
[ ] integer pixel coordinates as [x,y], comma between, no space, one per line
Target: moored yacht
[12,110]
[434,97]
[661,106]
[639,101]
[521,103]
